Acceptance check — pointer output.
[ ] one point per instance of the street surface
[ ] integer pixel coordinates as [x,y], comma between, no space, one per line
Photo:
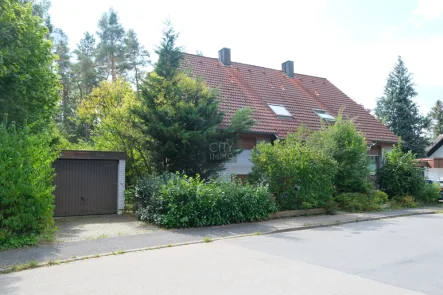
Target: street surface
[392,256]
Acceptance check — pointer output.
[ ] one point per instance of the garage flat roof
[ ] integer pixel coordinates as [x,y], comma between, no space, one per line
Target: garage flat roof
[92,155]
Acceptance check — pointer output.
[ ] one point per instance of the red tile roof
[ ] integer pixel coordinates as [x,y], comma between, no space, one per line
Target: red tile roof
[243,85]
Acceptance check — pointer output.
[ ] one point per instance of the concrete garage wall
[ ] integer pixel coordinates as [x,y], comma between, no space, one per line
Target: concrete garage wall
[121,186]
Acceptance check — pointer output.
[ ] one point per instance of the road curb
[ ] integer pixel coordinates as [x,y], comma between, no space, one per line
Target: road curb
[291,229]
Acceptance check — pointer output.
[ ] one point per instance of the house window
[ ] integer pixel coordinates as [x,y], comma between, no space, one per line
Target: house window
[373,164]
[280,110]
[324,115]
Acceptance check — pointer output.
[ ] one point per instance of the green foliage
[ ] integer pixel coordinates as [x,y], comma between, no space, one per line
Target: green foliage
[26,174]
[380,197]
[430,193]
[111,49]
[169,54]
[107,110]
[403,202]
[298,175]
[349,149]
[357,202]
[399,176]
[436,118]
[191,202]
[137,57]
[399,112]
[28,86]
[181,117]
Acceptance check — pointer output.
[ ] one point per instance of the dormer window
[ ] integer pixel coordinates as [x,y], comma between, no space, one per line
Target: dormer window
[280,110]
[324,115]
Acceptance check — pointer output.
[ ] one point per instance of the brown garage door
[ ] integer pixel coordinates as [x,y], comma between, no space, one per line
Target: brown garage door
[85,187]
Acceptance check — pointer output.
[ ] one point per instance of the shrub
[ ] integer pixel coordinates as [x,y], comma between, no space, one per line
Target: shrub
[430,193]
[26,174]
[356,202]
[349,149]
[380,197]
[299,176]
[404,202]
[399,176]
[183,201]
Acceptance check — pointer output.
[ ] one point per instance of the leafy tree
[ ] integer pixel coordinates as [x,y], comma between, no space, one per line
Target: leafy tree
[349,149]
[137,57]
[111,49]
[108,110]
[28,86]
[181,116]
[26,174]
[436,118]
[399,175]
[398,111]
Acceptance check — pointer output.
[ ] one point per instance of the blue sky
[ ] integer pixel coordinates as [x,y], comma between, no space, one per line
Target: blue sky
[353,43]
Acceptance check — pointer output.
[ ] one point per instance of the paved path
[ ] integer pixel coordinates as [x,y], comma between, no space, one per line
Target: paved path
[163,237]
[391,256]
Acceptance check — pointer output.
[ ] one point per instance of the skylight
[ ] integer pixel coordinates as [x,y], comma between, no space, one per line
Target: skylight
[324,115]
[280,110]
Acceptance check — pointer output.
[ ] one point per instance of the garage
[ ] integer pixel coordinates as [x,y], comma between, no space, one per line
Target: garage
[89,183]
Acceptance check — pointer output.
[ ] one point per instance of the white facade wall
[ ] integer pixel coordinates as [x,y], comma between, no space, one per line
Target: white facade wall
[434,173]
[241,165]
[438,153]
[121,186]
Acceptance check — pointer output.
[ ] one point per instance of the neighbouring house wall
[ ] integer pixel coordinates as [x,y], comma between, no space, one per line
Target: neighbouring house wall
[438,153]
[434,173]
[121,186]
[242,165]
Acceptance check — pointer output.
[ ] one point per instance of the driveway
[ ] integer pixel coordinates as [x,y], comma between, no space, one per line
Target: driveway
[80,228]
[392,256]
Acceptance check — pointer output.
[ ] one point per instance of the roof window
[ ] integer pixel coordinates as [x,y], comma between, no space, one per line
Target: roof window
[280,110]
[324,115]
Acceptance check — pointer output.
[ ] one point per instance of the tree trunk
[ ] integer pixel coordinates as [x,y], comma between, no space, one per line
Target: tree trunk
[113,71]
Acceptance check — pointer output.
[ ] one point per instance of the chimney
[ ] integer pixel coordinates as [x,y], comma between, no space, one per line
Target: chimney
[224,56]
[288,68]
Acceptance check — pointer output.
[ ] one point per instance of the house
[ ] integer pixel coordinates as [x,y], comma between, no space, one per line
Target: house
[434,161]
[281,101]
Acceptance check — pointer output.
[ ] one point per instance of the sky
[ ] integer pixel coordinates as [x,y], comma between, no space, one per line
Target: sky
[352,43]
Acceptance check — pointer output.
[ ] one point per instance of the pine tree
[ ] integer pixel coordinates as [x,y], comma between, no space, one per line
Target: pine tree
[111,49]
[63,68]
[181,116]
[137,57]
[397,110]
[436,118]
[85,70]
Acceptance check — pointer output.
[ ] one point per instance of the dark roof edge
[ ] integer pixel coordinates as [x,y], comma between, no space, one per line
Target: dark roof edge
[435,146]
[92,155]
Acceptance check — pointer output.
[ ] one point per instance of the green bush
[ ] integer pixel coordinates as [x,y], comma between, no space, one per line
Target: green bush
[356,202]
[349,149]
[399,176]
[26,174]
[403,202]
[299,176]
[183,201]
[430,193]
[380,197]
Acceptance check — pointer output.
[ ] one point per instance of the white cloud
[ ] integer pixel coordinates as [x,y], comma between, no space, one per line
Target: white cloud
[427,10]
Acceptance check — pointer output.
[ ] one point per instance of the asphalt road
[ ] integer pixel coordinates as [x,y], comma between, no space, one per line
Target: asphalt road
[393,256]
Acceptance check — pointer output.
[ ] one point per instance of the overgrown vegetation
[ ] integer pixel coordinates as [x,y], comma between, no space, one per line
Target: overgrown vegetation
[399,176]
[26,173]
[176,201]
[298,175]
